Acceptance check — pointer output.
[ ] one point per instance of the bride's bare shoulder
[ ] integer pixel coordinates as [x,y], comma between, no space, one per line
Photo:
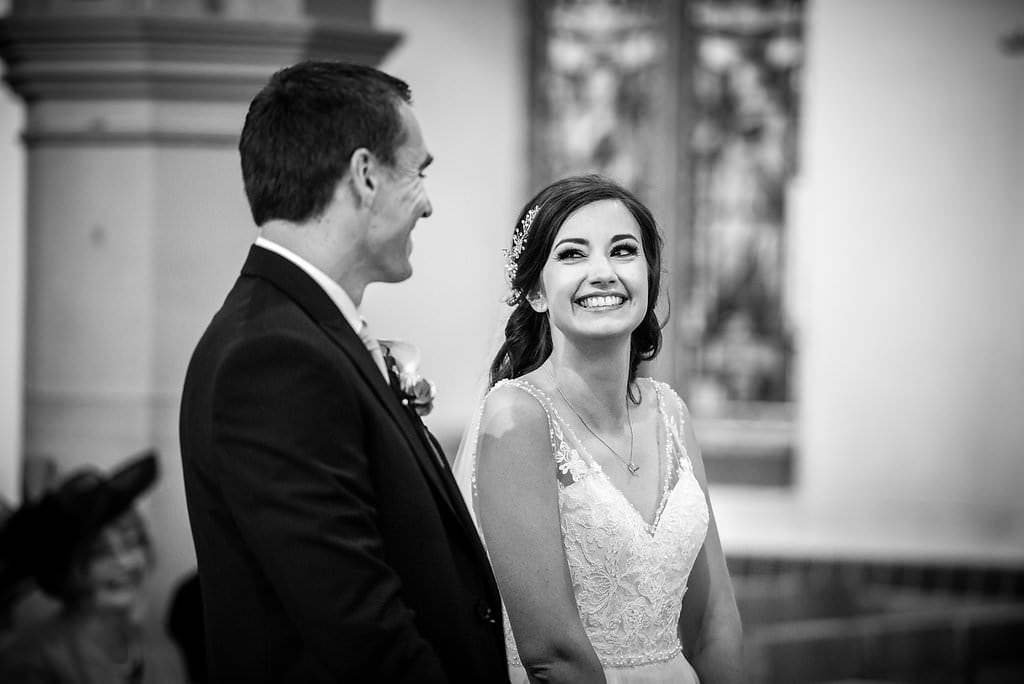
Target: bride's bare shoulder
[512,404]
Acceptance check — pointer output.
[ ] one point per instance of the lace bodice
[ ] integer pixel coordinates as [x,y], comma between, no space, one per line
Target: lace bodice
[629,576]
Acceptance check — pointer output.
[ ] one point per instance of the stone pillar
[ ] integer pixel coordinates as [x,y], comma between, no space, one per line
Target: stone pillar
[137,219]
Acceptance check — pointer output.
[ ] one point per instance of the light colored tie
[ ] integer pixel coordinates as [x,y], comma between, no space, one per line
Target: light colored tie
[373,346]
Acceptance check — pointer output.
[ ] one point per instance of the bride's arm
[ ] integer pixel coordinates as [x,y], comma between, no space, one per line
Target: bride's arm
[709,625]
[518,504]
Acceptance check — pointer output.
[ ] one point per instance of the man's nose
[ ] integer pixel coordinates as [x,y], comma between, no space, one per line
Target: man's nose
[428,208]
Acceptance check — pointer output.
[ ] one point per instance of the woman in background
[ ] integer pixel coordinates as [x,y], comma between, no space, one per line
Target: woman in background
[586,481]
[86,546]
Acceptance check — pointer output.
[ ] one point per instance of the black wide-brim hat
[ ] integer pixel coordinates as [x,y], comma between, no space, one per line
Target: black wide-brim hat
[40,539]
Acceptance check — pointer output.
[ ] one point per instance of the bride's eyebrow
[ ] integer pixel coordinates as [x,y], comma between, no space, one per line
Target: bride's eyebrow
[572,240]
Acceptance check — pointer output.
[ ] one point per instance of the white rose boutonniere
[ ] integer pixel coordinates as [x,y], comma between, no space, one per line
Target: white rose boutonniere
[404,359]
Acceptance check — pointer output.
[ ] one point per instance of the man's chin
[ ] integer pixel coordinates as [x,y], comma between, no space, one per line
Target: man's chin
[399,273]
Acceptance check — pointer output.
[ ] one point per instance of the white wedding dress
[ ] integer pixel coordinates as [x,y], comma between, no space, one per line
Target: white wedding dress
[629,575]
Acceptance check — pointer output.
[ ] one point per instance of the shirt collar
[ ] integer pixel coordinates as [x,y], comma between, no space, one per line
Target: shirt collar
[333,290]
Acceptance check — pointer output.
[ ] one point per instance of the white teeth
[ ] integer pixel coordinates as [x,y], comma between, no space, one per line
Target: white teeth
[600,301]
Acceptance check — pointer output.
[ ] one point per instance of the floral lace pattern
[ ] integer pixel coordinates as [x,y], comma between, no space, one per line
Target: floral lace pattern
[629,575]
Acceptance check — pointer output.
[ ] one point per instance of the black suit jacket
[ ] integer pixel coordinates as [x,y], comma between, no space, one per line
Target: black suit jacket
[332,545]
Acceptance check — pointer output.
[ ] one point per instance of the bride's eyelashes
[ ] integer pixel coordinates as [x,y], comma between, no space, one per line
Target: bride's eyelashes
[569,253]
[622,249]
[628,249]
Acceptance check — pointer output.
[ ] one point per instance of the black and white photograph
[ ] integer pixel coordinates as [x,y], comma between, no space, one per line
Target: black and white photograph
[512,341]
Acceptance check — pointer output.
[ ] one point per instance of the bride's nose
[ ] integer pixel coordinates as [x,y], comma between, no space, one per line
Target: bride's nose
[602,271]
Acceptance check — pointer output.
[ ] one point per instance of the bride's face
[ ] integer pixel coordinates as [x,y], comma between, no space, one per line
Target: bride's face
[594,283]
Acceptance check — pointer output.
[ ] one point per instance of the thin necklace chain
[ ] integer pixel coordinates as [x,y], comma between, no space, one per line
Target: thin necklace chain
[630,465]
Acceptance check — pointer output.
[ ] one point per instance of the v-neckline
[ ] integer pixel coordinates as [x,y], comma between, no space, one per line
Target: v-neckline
[664,491]
[651,527]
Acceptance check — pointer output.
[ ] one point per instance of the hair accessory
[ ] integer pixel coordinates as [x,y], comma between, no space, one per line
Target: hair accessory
[512,255]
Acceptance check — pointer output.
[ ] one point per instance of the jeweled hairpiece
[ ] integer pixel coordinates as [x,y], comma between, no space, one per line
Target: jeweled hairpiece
[512,255]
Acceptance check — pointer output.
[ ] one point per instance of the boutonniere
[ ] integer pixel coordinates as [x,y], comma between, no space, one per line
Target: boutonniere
[404,360]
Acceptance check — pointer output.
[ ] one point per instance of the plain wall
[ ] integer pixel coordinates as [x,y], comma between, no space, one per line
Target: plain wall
[12,221]
[914,368]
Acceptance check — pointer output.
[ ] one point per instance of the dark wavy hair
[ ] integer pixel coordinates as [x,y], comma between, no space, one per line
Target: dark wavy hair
[302,128]
[527,334]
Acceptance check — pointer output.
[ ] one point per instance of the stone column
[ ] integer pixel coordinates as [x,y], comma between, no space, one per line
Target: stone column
[137,219]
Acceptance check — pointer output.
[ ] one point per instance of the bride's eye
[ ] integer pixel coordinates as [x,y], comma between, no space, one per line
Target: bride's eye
[568,253]
[625,249]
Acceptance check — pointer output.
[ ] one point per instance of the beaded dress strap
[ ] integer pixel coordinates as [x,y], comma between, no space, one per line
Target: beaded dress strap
[571,466]
[541,399]
[674,422]
[525,387]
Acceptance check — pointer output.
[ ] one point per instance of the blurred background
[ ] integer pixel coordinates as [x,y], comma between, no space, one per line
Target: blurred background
[841,189]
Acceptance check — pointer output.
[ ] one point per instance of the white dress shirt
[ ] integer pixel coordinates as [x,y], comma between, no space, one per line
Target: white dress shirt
[337,294]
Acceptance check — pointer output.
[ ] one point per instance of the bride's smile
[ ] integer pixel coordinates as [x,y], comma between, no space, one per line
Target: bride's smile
[602,302]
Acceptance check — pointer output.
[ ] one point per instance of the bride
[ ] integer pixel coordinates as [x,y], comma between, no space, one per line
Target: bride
[586,481]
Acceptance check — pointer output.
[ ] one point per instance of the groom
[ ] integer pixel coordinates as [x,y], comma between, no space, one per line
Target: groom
[331,540]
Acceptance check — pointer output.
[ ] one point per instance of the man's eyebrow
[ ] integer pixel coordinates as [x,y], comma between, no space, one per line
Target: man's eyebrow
[427,162]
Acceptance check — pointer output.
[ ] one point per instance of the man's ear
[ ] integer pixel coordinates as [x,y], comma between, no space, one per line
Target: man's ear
[363,175]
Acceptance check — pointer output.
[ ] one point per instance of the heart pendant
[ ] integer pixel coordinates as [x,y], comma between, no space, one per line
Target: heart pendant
[632,468]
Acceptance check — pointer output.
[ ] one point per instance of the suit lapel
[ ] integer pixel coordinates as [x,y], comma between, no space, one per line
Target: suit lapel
[431,443]
[428,452]
[314,301]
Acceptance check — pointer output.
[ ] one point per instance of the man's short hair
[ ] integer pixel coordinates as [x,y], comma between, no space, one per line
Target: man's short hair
[303,127]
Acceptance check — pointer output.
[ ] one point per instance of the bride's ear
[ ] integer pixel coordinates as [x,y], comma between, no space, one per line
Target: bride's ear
[538,302]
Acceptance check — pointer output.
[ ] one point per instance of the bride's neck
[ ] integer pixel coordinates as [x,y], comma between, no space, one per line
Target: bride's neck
[594,381]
